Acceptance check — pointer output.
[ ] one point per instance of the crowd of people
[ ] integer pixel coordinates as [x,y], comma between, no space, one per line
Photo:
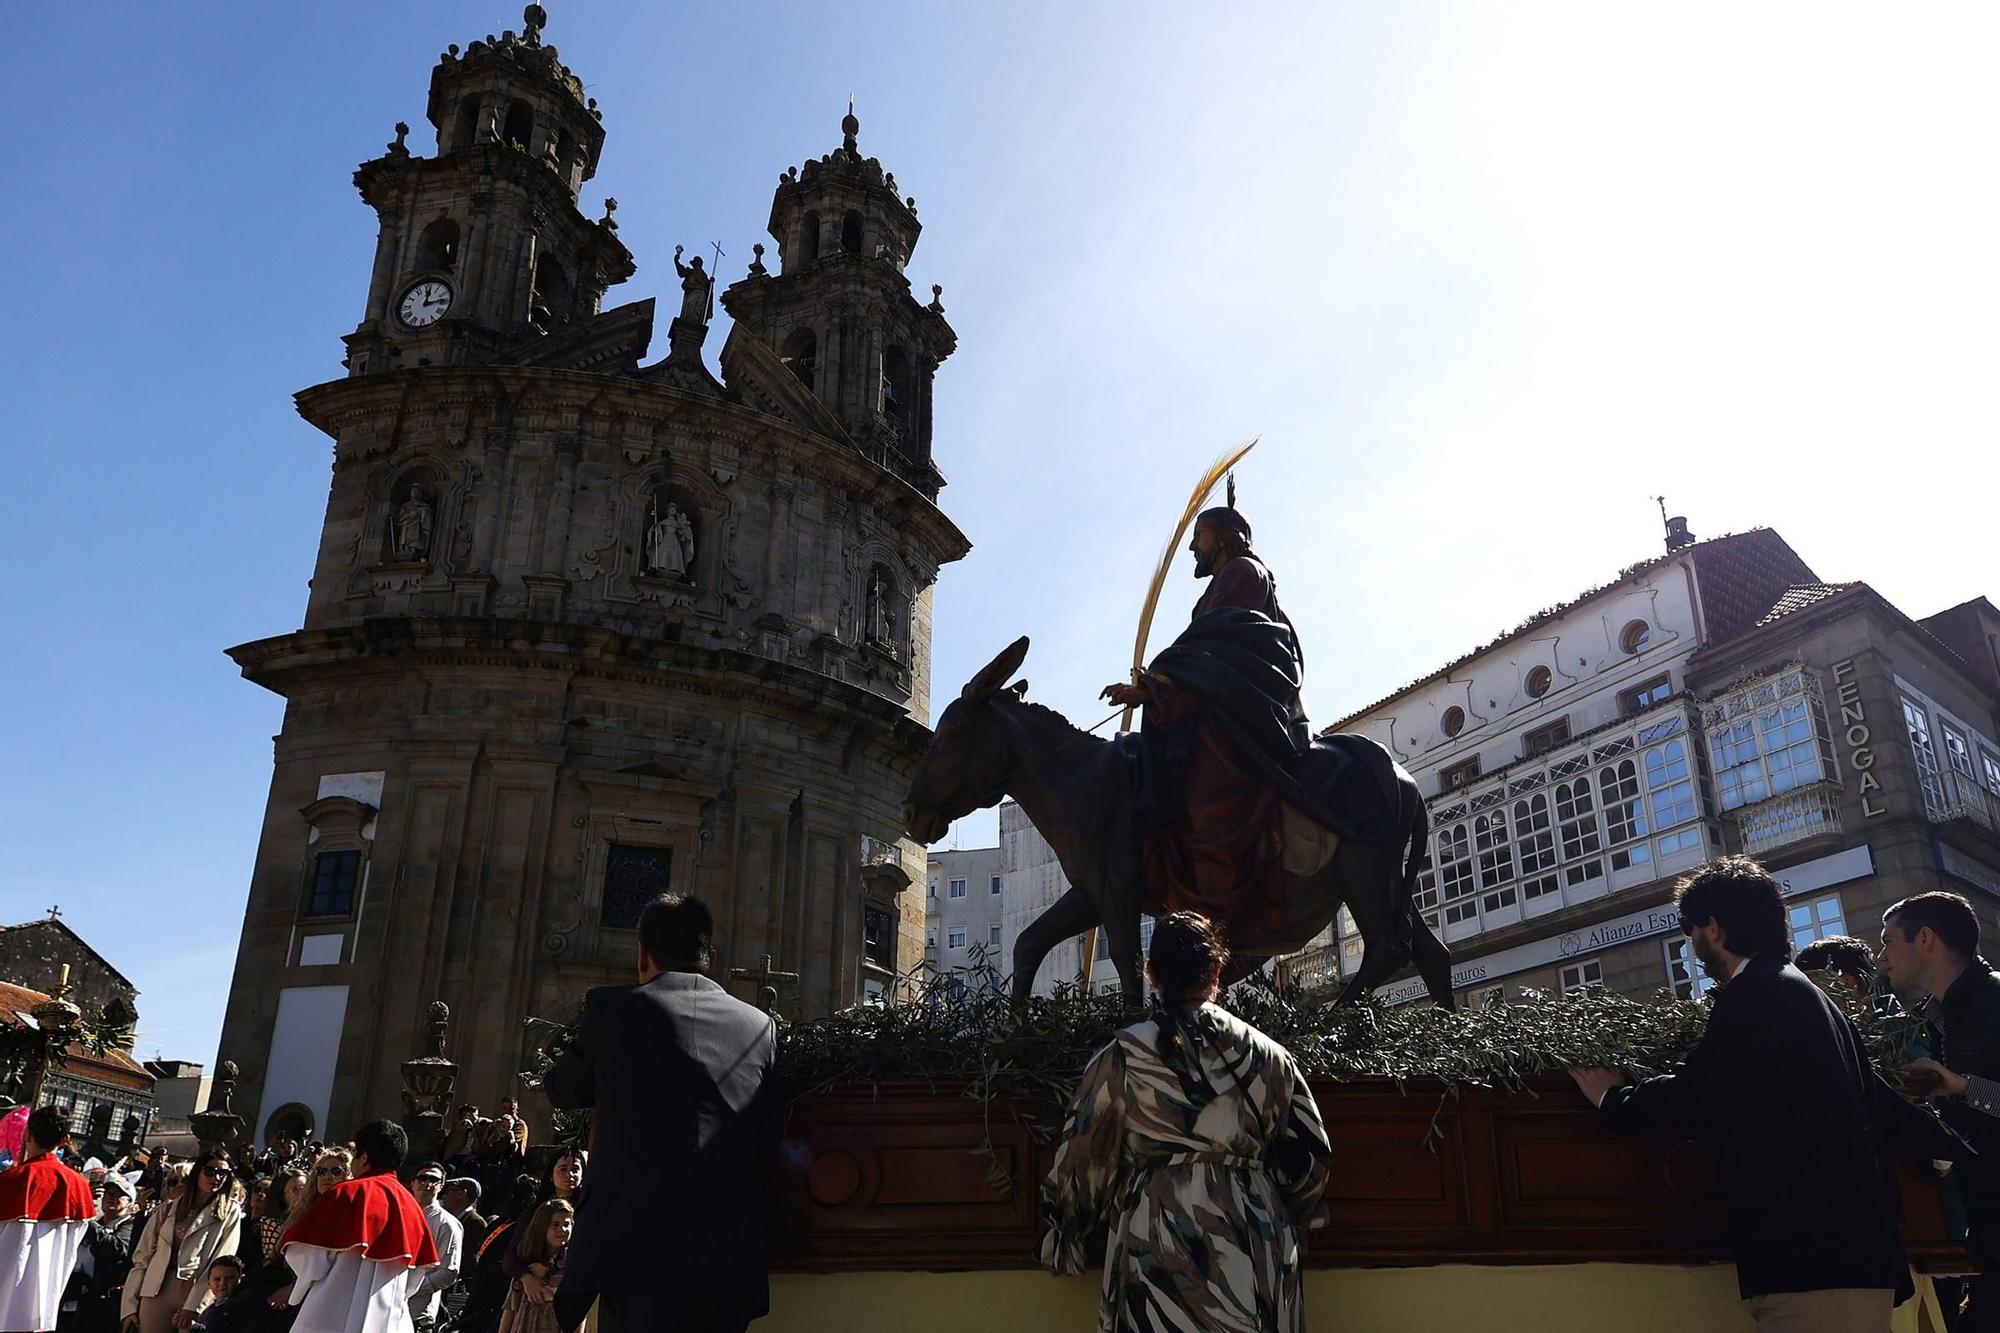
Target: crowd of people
[1193,1135]
[164,1244]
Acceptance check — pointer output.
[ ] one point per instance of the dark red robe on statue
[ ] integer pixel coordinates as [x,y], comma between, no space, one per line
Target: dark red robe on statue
[1221,853]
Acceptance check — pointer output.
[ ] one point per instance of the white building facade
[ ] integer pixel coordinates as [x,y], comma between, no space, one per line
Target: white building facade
[963,910]
[1702,703]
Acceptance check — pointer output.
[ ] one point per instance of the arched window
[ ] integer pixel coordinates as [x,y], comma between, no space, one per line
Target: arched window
[550,306]
[1535,845]
[801,353]
[465,126]
[809,238]
[896,384]
[519,129]
[437,248]
[850,232]
[1455,878]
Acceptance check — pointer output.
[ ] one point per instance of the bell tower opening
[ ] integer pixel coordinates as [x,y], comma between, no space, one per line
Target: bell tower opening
[850,231]
[465,124]
[437,248]
[801,353]
[518,131]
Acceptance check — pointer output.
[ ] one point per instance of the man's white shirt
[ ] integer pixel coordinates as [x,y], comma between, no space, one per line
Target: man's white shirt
[449,1235]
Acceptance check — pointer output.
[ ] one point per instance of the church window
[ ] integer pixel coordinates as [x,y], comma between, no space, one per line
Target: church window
[808,238]
[437,247]
[896,383]
[633,877]
[334,875]
[1454,720]
[551,294]
[878,937]
[850,232]
[465,127]
[519,128]
[801,353]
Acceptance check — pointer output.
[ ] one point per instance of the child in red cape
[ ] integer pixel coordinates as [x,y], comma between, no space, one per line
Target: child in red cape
[45,1209]
[362,1247]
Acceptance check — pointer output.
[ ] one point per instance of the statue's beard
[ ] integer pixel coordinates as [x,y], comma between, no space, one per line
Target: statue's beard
[1204,564]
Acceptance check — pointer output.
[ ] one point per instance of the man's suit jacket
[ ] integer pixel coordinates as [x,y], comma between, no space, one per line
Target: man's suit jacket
[678,1073]
[1781,1091]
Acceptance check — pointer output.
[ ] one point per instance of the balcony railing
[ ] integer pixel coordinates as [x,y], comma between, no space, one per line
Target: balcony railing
[1805,813]
[1961,797]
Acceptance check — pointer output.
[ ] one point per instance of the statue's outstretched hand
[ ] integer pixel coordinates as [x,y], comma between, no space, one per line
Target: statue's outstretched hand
[1127,696]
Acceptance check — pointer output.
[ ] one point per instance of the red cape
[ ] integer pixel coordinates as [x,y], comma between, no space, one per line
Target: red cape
[44,1190]
[374,1215]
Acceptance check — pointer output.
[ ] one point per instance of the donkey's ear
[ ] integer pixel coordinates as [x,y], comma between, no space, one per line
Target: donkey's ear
[994,674]
[1020,688]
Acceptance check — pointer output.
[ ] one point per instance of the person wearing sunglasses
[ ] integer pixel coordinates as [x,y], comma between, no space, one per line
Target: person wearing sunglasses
[165,1288]
[446,1234]
[1781,1091]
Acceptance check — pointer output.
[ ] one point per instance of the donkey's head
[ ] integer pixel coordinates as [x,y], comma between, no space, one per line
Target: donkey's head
[967,764]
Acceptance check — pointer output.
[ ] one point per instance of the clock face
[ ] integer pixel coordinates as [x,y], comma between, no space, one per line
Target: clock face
[425,303]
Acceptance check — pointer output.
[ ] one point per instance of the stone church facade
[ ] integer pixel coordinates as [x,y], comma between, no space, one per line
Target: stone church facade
[584,628]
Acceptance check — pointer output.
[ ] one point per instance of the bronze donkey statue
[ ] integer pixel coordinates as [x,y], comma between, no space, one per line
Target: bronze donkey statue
[1076,788]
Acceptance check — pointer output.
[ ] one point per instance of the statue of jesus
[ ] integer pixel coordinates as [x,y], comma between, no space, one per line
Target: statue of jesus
[1221,714]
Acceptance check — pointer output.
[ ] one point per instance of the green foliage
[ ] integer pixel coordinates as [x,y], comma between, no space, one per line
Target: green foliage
[961,1030]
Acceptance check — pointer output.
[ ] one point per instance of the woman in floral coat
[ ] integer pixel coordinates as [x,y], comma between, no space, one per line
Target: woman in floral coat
[1197,1136]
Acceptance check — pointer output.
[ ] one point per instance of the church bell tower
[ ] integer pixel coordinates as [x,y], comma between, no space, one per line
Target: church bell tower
[840,312]
[590,621]
[482,247]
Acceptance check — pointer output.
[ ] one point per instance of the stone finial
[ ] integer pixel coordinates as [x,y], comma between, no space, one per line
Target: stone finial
[533,19]
[607,221]
[849,127]
[936,307]
[400,148]
[757,269]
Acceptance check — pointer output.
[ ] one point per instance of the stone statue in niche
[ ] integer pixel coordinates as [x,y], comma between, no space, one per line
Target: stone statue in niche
[695,287]
[413,526]
[670,544]
[879,594]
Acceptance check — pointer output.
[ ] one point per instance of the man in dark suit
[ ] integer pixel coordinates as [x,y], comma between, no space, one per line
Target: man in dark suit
[1930,953]
[1780,1090]
[670,1227]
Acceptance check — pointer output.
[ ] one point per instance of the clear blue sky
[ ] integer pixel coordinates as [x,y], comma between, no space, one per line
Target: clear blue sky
[1484,278]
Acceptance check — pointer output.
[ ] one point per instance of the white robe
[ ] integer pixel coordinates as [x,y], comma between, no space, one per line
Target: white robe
[338,1291]
[35,1263]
